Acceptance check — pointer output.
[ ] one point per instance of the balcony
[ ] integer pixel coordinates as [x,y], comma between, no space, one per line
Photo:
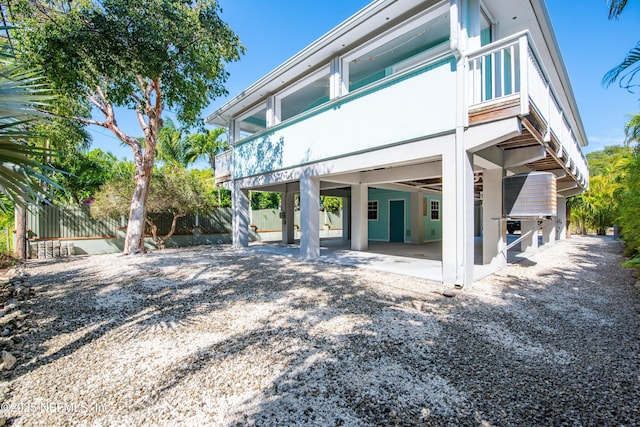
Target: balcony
[224,166]
[386,112]
[505,79]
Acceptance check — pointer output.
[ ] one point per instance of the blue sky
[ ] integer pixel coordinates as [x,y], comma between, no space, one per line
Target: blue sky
[273,31]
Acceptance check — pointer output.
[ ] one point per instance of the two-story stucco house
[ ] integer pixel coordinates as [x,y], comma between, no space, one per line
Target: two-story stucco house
[415,111]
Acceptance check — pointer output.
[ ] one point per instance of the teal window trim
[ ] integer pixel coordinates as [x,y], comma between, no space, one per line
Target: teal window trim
[352,96]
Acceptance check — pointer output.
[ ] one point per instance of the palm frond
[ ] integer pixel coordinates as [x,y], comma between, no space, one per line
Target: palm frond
[22,172]
[22,94]
[632,129]
[22,167]
[626,71]
[616,7]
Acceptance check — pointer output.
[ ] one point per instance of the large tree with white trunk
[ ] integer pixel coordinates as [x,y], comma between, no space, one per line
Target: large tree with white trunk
[144,55]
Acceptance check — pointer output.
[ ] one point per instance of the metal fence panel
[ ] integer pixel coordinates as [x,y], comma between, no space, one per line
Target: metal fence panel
[75,222]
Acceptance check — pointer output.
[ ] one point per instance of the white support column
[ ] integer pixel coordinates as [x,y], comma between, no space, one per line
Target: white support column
[457,167]
[529,243]
[240,220]
[561,232]
[288,219]
[457,215]
[417,220]
[359,217]
[309,217]
[494,227]
[549,232]
[346,213]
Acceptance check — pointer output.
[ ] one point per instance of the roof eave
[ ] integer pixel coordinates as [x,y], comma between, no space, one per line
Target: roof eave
[545,20]
[298,63]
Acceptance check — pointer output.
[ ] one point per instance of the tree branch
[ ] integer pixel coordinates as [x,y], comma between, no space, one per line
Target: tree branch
[98,104]
[90,122]
[142,122]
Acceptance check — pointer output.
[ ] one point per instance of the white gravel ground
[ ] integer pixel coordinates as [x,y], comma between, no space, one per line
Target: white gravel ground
[204,336]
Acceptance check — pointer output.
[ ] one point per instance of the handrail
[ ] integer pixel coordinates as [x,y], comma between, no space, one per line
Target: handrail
[497,45]
[224,162]
[515,242]
[500,46]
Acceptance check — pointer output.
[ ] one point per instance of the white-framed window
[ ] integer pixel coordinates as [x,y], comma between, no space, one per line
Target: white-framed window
[252,122]
[435,210]
[303,95]
[372,211]
[414,41]
[487,26]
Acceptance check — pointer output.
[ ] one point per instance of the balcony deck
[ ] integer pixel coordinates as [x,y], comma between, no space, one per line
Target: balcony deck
[506,79]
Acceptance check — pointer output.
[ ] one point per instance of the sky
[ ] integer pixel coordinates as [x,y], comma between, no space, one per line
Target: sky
[591,44]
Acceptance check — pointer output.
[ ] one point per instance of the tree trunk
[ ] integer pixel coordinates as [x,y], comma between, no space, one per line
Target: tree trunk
[20,215]
[173,229]
[162,242]
[134,241]
[154,231]
[143,155]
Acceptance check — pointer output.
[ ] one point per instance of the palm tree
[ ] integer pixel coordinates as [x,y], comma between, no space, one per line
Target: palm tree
[21,169]
[626,71]
[616,7]
[632,130]
[207,144]
[22,98]
[170,144]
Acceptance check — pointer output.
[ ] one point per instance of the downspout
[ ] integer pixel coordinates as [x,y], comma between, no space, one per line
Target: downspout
[454,22]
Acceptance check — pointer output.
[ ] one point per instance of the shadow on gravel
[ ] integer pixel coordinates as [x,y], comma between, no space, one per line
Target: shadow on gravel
[341,348]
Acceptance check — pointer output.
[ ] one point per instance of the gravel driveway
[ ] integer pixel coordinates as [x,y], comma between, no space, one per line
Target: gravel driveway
[207,336]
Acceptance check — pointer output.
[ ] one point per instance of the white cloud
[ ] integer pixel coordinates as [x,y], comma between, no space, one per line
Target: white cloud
[597,143]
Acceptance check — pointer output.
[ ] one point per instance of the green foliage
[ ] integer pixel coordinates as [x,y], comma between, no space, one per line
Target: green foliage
[205,144]
[6,212]
[625,72]
[170,145]
[632,129]
[6,223]
[629,211]
[225,198]
[122,46]
[597,208]
[114,197]
[180,149]
[264,200]
[22,166]
[85,173]
[632,263]
[174,190]
[332,204]
[613,196]
[146,55]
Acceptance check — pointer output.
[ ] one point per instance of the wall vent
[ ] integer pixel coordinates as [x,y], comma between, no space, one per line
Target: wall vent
[529,195]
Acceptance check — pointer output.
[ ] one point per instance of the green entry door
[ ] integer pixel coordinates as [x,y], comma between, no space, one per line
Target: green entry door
[396,221]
